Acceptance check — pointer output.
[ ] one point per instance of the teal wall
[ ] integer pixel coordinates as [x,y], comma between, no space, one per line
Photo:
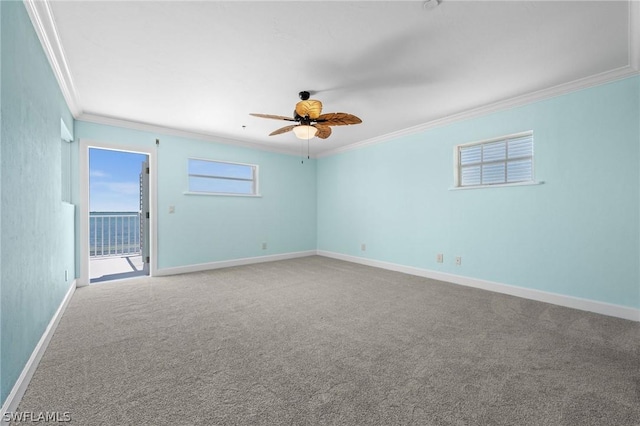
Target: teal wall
[216,228]
[577,234]
[2,397]
[37,228]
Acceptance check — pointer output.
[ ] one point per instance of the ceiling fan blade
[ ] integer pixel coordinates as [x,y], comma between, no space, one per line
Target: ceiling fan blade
[338,119]
[310,108]
[275,117]
[284,129]
[323,131]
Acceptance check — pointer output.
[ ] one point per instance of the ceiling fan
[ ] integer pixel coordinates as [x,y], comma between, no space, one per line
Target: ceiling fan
[310,120]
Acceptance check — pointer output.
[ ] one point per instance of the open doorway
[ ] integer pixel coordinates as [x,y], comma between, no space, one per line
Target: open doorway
[148,229]
[118,231]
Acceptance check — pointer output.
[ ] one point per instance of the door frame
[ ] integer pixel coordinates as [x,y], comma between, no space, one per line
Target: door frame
[85,145]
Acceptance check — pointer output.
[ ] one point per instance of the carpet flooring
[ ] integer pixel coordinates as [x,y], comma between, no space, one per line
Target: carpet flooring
[317,341]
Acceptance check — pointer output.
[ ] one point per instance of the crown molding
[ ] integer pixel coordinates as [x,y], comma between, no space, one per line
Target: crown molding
[42,19]
[631,69]
[45,27]
[153,128]
[583,83]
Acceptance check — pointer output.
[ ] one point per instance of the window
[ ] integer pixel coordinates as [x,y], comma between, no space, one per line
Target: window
[495,162]
[217,177]
[65,162]
[65,170]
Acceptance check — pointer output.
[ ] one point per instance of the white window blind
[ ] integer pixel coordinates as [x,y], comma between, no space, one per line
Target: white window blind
[499,161]
[218,177]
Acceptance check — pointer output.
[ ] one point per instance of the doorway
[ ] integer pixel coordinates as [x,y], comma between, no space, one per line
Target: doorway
[117,236]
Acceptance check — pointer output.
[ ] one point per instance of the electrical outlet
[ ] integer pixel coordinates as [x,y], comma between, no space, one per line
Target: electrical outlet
[439,258]
[264,246]
[458,260]
[363,247]
[172,209]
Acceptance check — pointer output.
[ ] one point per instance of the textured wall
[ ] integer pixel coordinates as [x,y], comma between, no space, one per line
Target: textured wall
[37,228]
[2,394]
[2,397]
[215,228]
[577,234]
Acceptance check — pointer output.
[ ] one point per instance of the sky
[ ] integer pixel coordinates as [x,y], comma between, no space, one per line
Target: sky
[114,184]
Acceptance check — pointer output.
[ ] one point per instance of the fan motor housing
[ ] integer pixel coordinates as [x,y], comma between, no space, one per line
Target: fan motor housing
[304,95]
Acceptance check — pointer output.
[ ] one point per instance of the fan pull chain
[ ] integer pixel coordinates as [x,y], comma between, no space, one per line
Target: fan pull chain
[307,148]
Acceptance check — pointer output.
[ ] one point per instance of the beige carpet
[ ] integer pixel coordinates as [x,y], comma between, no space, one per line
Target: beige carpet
[316,341]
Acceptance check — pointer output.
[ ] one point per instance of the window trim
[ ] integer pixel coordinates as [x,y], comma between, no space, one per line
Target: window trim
[255,179]
[66,184]
[65,171]
[457,169]
[497,185]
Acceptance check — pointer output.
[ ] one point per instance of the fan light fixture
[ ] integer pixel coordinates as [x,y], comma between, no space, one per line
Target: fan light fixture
[305,132]
[308,120]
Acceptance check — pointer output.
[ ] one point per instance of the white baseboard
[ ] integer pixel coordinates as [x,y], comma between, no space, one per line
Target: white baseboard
[233,262]
[17,392]
[527,293]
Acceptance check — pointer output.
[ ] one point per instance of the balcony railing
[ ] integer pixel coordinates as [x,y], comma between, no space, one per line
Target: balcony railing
[114,234]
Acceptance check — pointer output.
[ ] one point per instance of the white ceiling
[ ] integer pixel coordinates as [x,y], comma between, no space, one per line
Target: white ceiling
[204,66]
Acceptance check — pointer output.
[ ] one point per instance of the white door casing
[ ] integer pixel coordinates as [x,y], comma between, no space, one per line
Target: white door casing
[85,145]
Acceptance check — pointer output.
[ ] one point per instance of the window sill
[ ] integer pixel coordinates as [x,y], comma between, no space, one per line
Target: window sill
[498,185]
[223,194]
